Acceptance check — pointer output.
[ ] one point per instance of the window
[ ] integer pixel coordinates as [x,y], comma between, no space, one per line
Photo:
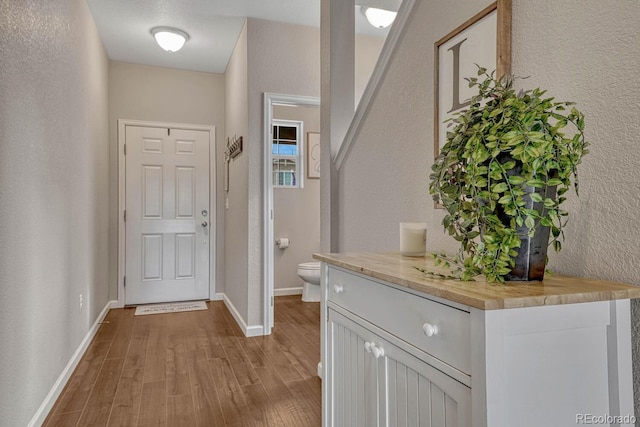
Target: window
[286,154]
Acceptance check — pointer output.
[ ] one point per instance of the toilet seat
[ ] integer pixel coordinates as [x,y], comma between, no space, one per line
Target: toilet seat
[311,266]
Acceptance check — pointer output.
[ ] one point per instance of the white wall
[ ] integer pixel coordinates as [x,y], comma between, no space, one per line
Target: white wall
[584,51]
[54,194]
[141,92]
[296,210]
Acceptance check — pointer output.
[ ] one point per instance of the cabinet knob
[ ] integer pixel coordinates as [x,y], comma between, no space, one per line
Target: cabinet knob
[377,352]
[429,329]
[368,346]
[338,289]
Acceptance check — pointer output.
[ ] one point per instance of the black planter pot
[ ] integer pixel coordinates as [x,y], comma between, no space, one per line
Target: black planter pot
[531,260]
[532,255]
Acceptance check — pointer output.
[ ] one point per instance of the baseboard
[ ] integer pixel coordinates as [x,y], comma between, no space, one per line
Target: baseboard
[254,331]
[279,292]
[217,297]
[58,386]
[248,331]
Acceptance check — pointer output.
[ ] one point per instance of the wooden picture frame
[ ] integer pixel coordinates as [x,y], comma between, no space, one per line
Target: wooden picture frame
[484,39]
[313,155]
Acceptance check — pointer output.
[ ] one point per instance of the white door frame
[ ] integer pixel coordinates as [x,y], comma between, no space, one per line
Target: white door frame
[271,99]
[122,123]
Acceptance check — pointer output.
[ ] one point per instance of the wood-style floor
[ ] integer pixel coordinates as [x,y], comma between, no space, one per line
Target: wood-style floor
[197,369]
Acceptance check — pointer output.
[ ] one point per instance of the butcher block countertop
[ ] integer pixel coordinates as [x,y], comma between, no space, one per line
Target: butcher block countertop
[554,290]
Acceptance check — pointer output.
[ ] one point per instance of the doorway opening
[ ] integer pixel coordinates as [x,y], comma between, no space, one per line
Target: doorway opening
[288,173]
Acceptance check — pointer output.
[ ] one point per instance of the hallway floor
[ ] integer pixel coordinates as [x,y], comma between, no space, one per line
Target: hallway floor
[197,369]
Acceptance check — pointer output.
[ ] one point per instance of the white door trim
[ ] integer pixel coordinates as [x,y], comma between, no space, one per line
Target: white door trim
[122,123]
[271,99]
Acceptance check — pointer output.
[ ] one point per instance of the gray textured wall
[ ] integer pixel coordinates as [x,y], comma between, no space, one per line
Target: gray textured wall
[235,226]
[54,189]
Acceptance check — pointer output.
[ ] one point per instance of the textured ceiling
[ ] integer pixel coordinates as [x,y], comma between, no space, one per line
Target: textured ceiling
[213,27]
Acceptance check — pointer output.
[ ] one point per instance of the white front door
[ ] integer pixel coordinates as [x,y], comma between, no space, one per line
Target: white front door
[167,215]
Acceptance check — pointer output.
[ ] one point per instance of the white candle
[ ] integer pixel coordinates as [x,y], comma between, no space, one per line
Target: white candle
[413,238]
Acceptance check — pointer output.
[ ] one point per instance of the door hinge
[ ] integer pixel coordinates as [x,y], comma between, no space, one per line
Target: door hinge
[168,131]
[125,149]
[272,301]
[124,216]
[124,281]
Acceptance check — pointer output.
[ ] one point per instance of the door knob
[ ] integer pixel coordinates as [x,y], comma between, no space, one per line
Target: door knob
[368,346]
[205,223]
[204,212]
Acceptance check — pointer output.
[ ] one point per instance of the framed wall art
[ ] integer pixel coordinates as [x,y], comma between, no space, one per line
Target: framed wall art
[313,155]
[485,40]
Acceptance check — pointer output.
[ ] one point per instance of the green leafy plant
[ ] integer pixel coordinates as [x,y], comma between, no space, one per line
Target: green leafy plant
[503,146]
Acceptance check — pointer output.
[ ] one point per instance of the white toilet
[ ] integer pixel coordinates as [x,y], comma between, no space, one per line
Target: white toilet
[309,272]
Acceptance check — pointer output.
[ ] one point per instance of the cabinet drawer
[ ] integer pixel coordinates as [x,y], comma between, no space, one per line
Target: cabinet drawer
[406,316]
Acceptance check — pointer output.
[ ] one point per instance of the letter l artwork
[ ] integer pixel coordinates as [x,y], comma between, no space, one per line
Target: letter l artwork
[456,104]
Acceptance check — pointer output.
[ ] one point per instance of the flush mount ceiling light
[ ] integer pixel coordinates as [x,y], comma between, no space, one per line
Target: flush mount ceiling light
[379,18]
[170,39]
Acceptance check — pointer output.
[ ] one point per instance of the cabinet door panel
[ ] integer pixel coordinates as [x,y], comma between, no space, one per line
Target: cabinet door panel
[403,394]
[353,374]
[419,395]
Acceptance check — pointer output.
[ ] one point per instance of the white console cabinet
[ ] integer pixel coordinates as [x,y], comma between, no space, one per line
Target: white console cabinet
[395,355]
[375,382]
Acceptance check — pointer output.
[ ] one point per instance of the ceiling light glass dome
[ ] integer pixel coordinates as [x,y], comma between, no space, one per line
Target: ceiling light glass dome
[170,39]
[379,18]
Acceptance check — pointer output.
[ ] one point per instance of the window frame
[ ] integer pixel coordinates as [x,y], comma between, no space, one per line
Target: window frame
[298,158]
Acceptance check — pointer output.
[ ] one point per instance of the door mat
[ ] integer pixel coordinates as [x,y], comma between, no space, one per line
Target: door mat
[172,307]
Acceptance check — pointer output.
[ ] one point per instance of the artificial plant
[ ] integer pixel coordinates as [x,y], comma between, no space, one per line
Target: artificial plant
[506,149]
